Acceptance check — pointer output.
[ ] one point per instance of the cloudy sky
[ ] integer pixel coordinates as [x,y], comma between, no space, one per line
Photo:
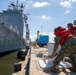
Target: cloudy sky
[45,15]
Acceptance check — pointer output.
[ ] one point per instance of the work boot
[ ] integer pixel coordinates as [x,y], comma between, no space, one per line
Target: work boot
[73,68]
[53,68]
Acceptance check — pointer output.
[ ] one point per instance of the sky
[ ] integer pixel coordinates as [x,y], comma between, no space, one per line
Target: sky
[45,15]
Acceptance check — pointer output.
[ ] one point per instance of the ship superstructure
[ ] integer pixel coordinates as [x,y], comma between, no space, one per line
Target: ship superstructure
[13,28]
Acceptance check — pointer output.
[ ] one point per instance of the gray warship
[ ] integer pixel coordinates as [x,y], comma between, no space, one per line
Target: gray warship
[14,29]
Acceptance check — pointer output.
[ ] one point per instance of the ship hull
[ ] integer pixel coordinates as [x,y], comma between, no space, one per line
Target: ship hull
[10,40]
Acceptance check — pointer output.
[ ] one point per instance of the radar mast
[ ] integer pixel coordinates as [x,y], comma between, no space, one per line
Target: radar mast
[16,7]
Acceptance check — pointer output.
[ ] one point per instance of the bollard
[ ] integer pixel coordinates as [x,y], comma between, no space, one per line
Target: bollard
[17,67]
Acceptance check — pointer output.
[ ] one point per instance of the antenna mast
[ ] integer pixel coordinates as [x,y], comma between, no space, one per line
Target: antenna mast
[17,2]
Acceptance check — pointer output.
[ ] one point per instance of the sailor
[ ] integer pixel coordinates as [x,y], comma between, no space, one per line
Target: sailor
[61,34]
[72,28]
[68,46]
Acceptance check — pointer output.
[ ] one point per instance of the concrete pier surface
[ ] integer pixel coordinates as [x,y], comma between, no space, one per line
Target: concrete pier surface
[37,53]
[35,69]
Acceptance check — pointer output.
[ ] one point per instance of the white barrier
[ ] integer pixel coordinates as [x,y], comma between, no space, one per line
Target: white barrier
[50,48]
